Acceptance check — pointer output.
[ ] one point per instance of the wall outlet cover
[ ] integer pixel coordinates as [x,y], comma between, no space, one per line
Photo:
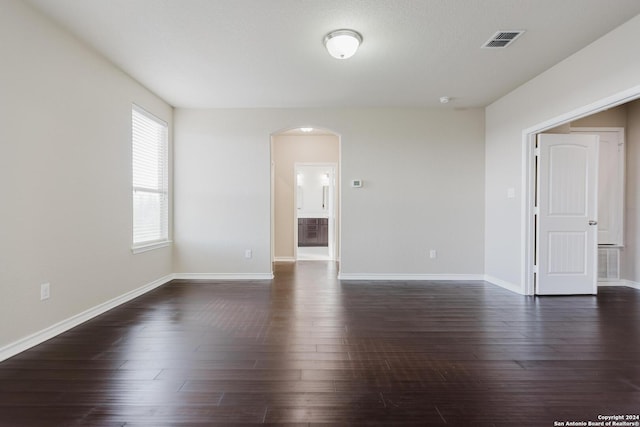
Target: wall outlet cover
[45,291]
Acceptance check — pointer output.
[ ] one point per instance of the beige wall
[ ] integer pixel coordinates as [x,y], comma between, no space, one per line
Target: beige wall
[613,117]
[287,150]
[631,253]
[65,177]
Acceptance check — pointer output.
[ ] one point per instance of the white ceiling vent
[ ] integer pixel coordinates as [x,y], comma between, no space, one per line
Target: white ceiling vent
[502,39]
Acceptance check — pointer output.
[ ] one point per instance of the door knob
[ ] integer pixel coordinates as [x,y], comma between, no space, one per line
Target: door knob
[592,222]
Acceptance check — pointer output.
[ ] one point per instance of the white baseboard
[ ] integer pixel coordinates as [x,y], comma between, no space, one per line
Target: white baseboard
[73,321]
[223,276]
[399,277]
[284,259]
[611,283]
[621,282]
[631,284]
[504,284]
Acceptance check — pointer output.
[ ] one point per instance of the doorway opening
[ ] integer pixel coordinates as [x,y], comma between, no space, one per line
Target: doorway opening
[315,212]
[305,195]
[606,113]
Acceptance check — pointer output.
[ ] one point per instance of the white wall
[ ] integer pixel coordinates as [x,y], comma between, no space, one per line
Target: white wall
[65,168]
[423,178]
[606,67]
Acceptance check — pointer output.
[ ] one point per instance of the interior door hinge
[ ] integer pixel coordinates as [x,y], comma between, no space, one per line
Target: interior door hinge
[536,152]
[535,268]
[536,211]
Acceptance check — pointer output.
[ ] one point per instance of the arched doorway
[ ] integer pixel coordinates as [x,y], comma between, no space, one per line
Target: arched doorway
[305,195]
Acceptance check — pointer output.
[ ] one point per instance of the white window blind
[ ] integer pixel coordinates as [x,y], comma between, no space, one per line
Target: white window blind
[150,180]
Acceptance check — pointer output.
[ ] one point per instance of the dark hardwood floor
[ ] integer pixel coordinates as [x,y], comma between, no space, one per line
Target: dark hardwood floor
[307,349]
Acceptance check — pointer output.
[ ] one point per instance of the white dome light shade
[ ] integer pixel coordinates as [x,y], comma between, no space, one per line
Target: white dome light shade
[342,44]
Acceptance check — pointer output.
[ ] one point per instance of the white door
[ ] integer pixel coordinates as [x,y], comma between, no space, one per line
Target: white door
[567,201]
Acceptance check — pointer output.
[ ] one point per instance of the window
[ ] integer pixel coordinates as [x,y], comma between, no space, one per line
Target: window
[149,137]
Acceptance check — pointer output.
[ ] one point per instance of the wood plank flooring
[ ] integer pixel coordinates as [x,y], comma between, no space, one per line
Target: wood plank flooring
[307,349]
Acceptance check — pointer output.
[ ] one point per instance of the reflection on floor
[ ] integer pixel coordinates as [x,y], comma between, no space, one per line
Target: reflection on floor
[313,253]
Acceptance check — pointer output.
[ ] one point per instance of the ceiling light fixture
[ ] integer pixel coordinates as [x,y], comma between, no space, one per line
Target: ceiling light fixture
[306,130]
[342,44]
[444,99]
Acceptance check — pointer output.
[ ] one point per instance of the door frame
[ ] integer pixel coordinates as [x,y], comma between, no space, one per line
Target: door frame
[338,201]
[528,184]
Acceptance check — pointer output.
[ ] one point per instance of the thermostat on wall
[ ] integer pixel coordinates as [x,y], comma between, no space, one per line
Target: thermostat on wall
[356,183]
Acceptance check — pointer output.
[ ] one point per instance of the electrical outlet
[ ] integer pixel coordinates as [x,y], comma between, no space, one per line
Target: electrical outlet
[248,253]
[433,254]
[45,291]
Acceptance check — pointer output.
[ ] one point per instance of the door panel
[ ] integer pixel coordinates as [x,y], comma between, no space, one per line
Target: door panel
[567,214]
[566,251]
[566,184]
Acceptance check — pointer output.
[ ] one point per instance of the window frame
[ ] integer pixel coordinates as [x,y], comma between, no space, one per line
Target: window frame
[163,189]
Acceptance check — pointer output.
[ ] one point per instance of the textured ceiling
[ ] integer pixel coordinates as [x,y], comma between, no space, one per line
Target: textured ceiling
[269,53]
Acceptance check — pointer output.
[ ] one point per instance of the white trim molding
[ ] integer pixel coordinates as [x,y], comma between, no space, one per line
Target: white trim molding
[223,276]
[284,259]
[504,284]
[621,282]
[39,337]
[399,277]
[151,246]
[607,283]
[631,284]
